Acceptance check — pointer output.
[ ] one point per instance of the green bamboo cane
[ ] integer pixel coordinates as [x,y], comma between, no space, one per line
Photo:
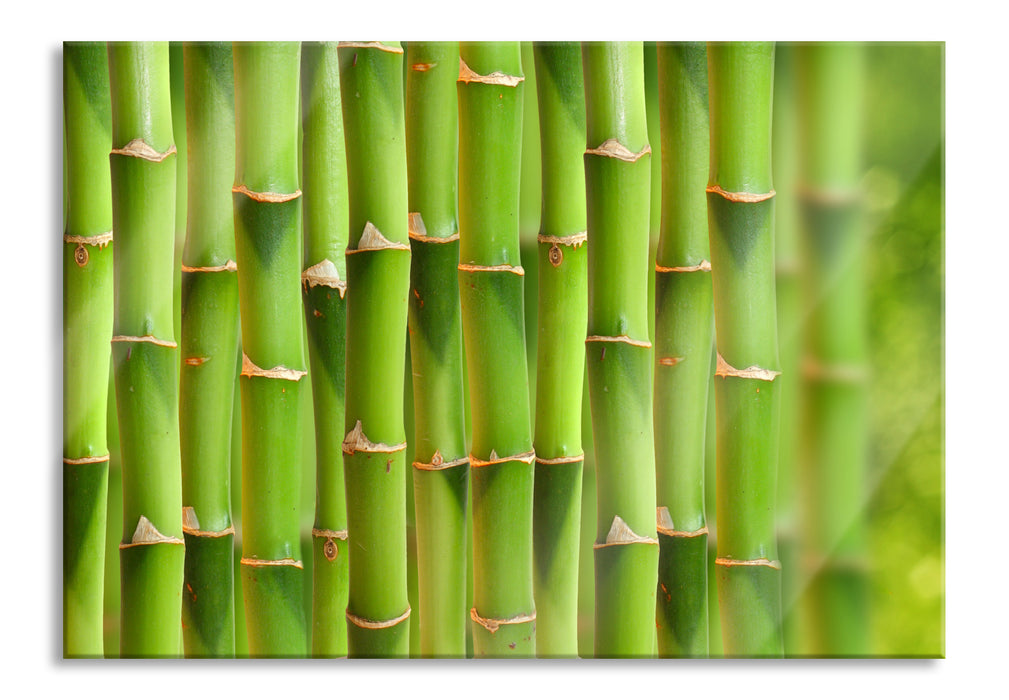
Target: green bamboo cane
[209,348]
[144,352]
[530,194]
[324,180]
[176,74]
[835,363]
[740,220]
[650,54]
[618,353]
[440,466]
[684,325]
[267,212]
[560,362]
[490,92]
[87,329]
[790,318]
[378,273]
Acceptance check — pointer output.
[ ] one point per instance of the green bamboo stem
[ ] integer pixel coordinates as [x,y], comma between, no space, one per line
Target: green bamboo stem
[209,348]
[144,352]
[267,212]
[650,54]
[618,353]
[441,465]
[490,93]
[176,73]
[684,326]
[560,362]
[790,318]
[530,195]
[324,287]
[87,329]
[835,364]
[740,219]
[378,273]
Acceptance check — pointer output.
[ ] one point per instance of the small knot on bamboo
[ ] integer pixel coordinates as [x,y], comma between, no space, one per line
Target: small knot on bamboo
[493,624]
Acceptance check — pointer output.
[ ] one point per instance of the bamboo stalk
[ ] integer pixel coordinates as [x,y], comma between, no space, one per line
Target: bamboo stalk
[324,287]
[560,363]
[684,326]
[441,466]
[490,93]
[267,211]
[740,219]
[87,329]
[618,353]
[835,370]
[209,348]
[378,264]
[144,352]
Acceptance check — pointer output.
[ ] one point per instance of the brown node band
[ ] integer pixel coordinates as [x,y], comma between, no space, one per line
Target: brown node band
[422,67]
[372,239]
[664,525]
[266,197]
[703,266]
[357,441]
[323,273]
[367,624]
[229,266]
[724,369]
[469,267]
[258,563]
[575,239]
[146,534]
[670,361]
[196,361]
[618,339]
[191,525]
[87,460]
[491,624]
[729,561]
[571,459]
[251,369]
[138,148]
[418,231]
[144,339]
[101,240]
[526,457]
[611,148]
[368,45]
[743,197]
[620,534]
[438,463]
[468,75]
[329,534]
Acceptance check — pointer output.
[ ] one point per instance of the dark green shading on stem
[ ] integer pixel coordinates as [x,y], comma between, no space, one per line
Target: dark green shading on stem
[560,362]
[684,325]
[144,352]
[267,211]
[440,466]
[378,274]
[618,353]
[87,329]
[324,182]
[741,234]
[209,348]
[835,363]
[490,93]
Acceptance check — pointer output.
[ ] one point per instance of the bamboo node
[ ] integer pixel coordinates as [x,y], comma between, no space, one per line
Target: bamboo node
[724,369]
[251,369]
[611,148]
[620,534]
[87,460]
[357,441]
[492,625]
[468,75]
[514,269]
[191,525]
[618,339]
[138,148]
[256,563]
[575,239]
[729,561]
[195,361]
[146,534]
[438,463]
[330,550]
[664,525]
[323,273]
[570,459]
[834,372]
[266,197]
[368,45]
[367,624]
[703,266]
[829,196]
[228,266]
[418,231]
[334,534]
[101,240]
[526,457]
[670,361]
[372,239]
[740,197]
[144,339]
[422,67]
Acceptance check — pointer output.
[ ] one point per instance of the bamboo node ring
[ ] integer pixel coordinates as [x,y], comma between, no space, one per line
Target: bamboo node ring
[367,624]
[492,625]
